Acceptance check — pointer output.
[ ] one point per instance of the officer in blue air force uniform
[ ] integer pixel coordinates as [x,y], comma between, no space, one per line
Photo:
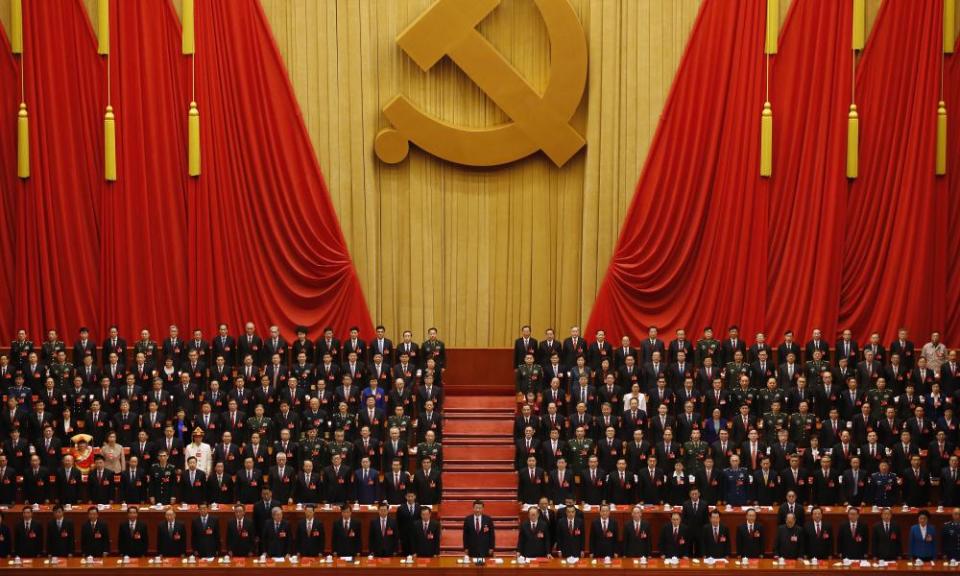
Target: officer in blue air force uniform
[736,483]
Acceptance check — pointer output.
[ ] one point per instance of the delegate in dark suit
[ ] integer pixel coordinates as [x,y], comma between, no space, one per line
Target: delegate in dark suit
[534,539]
[171,543]
[276,539]
[426,539]
[818,544]
[310,539]
[636,539]
[675,542]
[570,539]
[205,536]
[135,541]
[61,540]
[478,542]
[853,544]
[789,542]
[383,537]
[885,541]
[604,543]
[750,541]
[28,541]
[95,539]
[240,538]
[346,538]
[715,544]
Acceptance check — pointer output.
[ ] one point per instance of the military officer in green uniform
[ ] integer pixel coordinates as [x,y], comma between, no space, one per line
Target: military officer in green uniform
[20,349]
[772,422]
[260,424]
[529,376]
[339,445]
[880,397]
[802,425]
[694,451]
[707,347]
[772,393]
[61,371]
[745,395]
[400,421]
[146,346]
[434,348]
[163,480]
[431,449]
[50,347]
[313,448]
[814,368]
[581,447]
[733,371]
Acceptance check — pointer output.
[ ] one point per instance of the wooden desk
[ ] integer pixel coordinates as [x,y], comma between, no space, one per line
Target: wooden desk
[449,565]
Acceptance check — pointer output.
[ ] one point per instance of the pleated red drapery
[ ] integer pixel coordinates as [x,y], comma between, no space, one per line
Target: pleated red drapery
[950,203]
[870,255]
[693,246]
[254,238]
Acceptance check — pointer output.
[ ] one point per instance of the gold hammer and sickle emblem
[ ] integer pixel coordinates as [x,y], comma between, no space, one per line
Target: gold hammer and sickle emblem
[539,122]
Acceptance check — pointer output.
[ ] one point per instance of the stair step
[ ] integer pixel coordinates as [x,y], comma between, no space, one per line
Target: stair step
[478,453]
[481,480]
[478,467]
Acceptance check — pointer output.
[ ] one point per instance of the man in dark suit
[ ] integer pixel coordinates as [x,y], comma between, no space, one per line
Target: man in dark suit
[715,538]
[133,540]
[479,537]
[346,534]
[675,539]
[885,538]
[426,535]
[61,540]
[604,535]
[427,483]
[384,534]
[205,533]
[652,343]
[276,540]
[171,536]
[240,535]
[337,480]
[750,537]
[310,535]
[569,534]
[695,514]
[407,514]
[636,535]
[524,345]
[901,346]
[789,541]
[853,537]
[818,536]
[94,535]
[100,485]
[534,539]
[28,536]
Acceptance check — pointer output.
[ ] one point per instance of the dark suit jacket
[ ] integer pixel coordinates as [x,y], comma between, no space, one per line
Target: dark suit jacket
[479,544]
[28,543]
[95,540]
[820,547]
[426,542]
[312,542]
[133,543]
[346,542]
[714,548]
[678,547]
[853,545]
[603,544]
[570,543]
[383,543]
[636,543]
[276,543]
[534,542]
[885,545]
[240,541]
[62,542]
[174,543]
[789,542]
[750,545]
[205,540]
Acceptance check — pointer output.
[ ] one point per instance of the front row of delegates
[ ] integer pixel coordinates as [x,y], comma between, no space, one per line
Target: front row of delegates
[412,530]
[683,536]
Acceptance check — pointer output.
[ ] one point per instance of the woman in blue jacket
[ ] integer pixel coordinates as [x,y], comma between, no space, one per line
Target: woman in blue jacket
[923,538]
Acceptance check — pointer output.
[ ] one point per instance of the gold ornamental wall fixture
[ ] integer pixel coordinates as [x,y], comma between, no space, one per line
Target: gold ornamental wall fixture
[538,121]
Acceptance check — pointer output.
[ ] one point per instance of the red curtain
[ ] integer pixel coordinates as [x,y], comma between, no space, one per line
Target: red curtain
[894,251]
[693,248]
[9,188]
[950,203]
[254,238]
[265,241]
[869,256]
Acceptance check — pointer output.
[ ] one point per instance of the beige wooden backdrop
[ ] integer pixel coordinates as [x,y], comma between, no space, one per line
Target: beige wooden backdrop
[478,252]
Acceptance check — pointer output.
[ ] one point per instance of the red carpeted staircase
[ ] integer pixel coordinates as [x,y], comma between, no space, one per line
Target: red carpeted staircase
[478,463]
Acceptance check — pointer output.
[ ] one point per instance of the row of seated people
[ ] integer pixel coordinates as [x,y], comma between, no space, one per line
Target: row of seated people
[411,530]
[241,414]
[177,351]
[699,533]
[163,483]
[719,353]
